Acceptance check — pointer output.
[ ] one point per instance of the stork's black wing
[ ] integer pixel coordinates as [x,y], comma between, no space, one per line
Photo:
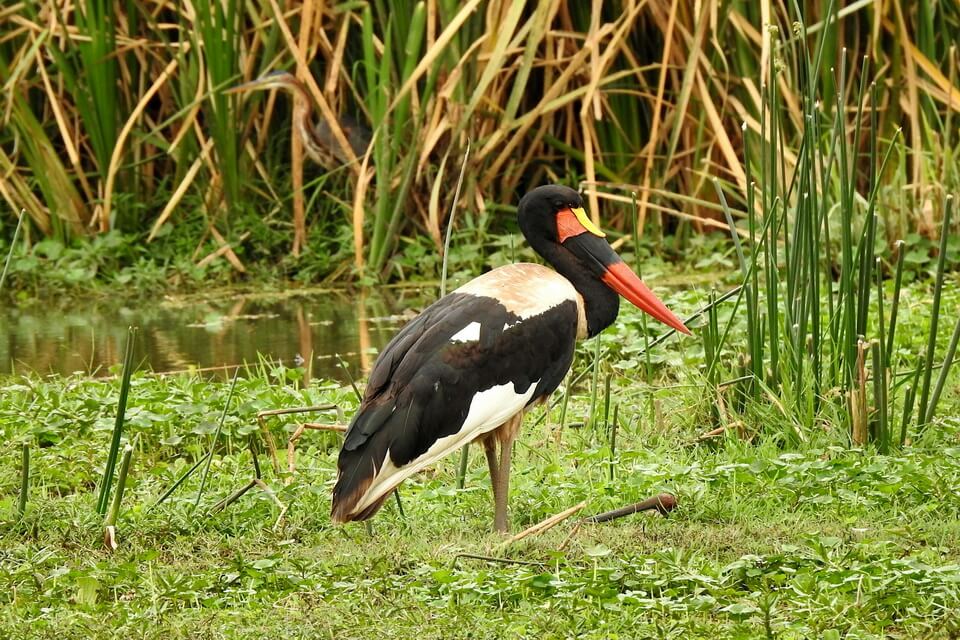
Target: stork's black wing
[423,383]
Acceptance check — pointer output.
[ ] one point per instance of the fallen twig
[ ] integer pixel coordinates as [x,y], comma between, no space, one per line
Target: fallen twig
[664,503]
[475,556]
[713,433]
[573,532]
[292,444]
[547,524]
[268,437]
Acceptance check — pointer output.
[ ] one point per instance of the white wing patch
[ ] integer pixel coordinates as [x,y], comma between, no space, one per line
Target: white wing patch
[488,410]
[470,333]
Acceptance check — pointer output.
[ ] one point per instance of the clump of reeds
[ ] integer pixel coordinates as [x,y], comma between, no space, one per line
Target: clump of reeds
[107,101]
[810,331]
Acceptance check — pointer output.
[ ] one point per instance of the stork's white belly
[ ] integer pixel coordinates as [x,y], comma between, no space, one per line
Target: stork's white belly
[488,410]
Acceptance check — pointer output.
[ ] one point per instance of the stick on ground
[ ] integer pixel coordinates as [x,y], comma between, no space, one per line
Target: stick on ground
[547,524]
[664,503]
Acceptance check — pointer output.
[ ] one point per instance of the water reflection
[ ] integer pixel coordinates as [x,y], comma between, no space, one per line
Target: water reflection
[208,334]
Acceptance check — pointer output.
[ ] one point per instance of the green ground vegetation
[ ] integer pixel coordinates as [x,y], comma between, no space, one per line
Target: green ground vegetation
[774,535]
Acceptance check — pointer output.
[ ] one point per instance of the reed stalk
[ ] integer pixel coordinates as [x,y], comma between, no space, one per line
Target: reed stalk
[216,436]
[934,315]
[105,483]
[24,480]
[944,371]
[595,383]
[13,246]
[613,440]
[121,486]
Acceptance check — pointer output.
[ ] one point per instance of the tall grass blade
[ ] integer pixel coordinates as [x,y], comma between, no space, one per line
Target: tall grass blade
[935,314]
[24,480]
[13,246]
[107,480]
[613,440]
[881,371]
[179,481]
[216,436]
[908,401]
[464,452]
[563,406]
[595,383]
[944,370]
[606,400]
[895,306]
[450,219]
[879,422]
[634,220]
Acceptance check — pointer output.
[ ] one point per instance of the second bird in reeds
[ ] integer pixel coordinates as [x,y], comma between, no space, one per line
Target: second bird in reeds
[318,138]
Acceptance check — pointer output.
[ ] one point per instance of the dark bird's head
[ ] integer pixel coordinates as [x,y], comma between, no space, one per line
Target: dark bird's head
[555,224]
[318,139]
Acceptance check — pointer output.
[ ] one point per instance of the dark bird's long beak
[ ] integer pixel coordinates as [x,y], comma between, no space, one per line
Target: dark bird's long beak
[582,237]
[261,83]
[272,80]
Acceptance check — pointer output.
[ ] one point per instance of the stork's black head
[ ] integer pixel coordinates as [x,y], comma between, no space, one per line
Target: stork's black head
[537,213]
[553,221]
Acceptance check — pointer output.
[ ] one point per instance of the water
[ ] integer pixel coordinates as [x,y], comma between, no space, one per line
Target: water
[208,334]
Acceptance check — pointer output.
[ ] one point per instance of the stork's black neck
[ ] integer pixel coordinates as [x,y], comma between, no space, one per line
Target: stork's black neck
[601,303]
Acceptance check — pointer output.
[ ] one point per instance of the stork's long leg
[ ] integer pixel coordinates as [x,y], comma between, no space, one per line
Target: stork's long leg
[505,434]
[493,463]
[501,489]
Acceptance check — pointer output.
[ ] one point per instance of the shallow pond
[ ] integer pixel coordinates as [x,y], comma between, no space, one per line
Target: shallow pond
[213,333]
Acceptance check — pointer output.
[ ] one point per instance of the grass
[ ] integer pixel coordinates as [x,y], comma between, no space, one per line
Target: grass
[128,366]
[771,537]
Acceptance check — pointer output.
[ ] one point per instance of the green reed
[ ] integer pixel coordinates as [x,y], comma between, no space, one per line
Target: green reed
[811,330]
[24,480]
[106,482]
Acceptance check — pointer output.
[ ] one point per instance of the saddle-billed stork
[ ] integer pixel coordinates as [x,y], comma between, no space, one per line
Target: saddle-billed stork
[470,365]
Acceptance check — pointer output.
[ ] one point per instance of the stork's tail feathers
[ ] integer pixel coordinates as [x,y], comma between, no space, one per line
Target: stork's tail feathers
[356,472]
[366,474]
[350,490]
[358,493]
[345,509]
